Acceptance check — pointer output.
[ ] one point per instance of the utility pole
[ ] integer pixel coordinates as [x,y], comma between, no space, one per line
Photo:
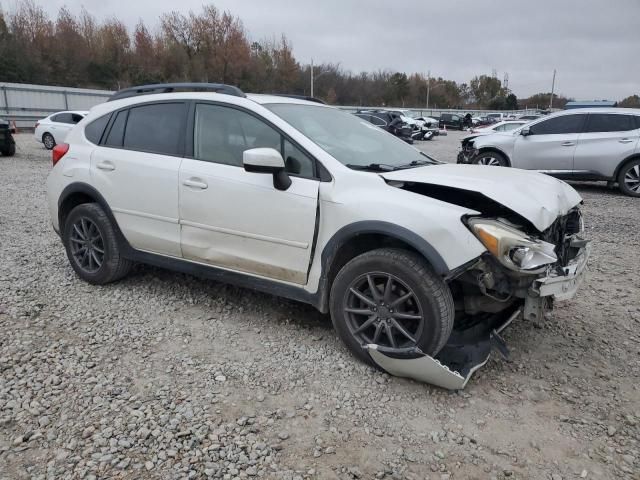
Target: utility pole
[428,87]
[312,77]
[553,86]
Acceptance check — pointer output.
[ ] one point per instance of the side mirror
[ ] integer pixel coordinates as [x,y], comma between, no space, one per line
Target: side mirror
[267,160]
[525,132]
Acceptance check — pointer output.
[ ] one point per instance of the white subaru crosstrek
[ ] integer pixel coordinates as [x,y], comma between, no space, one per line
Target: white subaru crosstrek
[420,263]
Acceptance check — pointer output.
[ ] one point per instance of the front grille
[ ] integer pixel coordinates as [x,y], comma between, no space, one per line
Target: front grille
[560,233]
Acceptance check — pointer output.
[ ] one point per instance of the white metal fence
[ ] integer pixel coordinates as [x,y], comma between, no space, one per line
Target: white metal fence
[26,103]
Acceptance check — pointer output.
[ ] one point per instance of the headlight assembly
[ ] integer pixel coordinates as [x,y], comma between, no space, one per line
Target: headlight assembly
[513,248]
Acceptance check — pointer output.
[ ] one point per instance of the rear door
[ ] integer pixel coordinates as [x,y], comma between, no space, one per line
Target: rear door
[236,219]
[136,167]
[607,140]
[551,145]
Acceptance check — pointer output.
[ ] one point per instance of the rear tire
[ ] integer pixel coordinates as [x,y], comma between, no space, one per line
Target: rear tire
[629,178]
[377,313]
[10,151]
[490,158]
[92,245]
[48,141]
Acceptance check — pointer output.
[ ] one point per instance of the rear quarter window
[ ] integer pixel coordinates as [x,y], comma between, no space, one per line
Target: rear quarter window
[94,130]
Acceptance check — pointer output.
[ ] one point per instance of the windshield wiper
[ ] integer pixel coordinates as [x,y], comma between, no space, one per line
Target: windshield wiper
[416,163]
[374,167]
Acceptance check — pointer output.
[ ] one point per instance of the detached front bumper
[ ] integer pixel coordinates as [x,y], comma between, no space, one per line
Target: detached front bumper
[560,284]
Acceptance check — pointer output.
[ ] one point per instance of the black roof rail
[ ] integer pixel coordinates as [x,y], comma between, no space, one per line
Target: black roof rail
[300,97]
[176,87]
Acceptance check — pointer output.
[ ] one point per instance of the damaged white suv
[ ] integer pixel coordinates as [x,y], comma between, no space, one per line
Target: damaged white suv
[420,264]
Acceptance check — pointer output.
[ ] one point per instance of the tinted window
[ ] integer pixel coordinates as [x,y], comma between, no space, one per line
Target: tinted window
[76,117]
[116,133]
[156,128]
[380,122]
[600,122]
[558,125]
[222,134]
[297,162]
[94,130]
[63,118]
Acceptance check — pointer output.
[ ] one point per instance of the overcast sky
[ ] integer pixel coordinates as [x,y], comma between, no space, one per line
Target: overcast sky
[593,44]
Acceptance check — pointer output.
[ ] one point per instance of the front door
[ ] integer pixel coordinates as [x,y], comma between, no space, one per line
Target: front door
[237,220]
[550,146]
[136,167]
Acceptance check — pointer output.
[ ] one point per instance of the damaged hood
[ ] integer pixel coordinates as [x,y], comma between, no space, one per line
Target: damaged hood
[537,197]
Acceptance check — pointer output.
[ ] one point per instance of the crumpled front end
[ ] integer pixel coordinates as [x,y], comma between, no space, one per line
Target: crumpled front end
[490,292]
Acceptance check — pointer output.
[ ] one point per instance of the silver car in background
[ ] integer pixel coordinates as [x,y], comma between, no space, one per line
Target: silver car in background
[586,144]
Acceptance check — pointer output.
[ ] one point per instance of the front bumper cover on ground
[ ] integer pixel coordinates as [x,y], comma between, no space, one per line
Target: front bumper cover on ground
[453,366]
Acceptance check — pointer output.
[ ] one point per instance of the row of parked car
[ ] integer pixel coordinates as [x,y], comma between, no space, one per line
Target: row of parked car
[402,123]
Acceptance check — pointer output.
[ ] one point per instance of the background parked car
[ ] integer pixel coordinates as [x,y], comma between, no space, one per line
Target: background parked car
[452,120]
[389,121]
[584,144]
[54,129]
[467,150]
[504,126]
[7,143]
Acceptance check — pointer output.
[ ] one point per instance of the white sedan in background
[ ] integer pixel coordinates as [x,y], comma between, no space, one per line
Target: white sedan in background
[504,126]
[53,129]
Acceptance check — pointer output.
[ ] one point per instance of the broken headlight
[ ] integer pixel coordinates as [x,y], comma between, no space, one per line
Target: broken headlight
[514,249]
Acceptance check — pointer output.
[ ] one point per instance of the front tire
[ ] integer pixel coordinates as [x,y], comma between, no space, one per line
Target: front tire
[48,141]
[392,298]
[490,158]
[629,178]
[92,245]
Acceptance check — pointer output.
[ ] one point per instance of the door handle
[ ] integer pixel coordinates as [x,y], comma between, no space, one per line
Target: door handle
[108,166]
[625,140]
[568,144]
[195,183]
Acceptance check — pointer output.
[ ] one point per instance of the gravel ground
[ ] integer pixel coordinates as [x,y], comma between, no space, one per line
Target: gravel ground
[169,376]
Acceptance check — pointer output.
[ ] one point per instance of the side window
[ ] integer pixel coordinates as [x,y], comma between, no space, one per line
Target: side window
[62,118]
[222,134]
[600,122]
[296,162]
[455,118]
[559,125]
[511,126]
[94,130]
[380,122]
[75,118]
[156,128]
[116,132]
[500,128]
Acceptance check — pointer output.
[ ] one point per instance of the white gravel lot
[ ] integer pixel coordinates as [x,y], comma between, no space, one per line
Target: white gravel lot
[169,376]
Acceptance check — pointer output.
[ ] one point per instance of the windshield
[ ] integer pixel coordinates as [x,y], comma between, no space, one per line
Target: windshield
[349,139]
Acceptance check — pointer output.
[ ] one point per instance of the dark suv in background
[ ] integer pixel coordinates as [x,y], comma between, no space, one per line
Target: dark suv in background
[7,143]
[452,120]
